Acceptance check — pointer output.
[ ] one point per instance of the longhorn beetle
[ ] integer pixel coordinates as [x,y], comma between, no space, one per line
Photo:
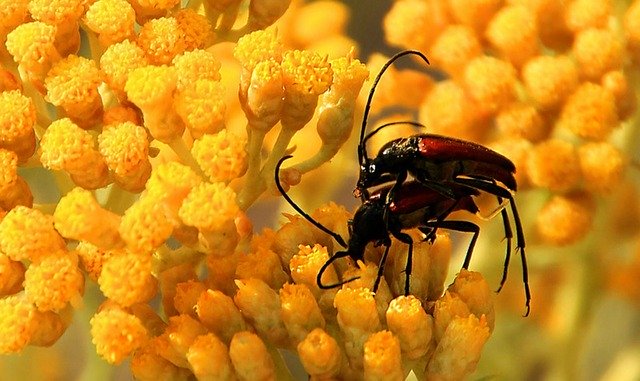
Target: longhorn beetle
[374,221]
[441,164]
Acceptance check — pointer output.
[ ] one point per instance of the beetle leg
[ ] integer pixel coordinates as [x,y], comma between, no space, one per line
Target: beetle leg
[504,193]
[436,186]
[461,226]
[406,238]
[381,264]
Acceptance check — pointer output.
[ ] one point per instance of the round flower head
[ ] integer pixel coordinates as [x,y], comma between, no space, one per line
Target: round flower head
[454,48]
[111,20]
[162,40]
[554,164]
[256,47]
[11,276]
[602,166]
[549,80]
[32,47]
[201,106]
[590,112]
[22,324]
[209,206]
[382,358]
[151,88]
[566,219]
[64,14]
[145,225]
[458,352]
[14,190]
[305,75]
[250,357]
[260,305]
[513,32]
[320,354]
[474,13]
[118,61]
[12,14]
[79,216]
[194,65]
[17,120]
[116,333]
[65,146]
[196,29]
[411,325]
[125,147]
[126,278]
[222,156]
[209,359]
[490,82]
[54,281]
[598,51]
[583,14]
[406,21]
[28,234]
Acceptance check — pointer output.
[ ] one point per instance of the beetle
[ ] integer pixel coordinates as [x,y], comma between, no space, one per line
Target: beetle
[417,206]
[441,164]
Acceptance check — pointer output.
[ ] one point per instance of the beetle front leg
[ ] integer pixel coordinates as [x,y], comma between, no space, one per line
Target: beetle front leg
[406,238]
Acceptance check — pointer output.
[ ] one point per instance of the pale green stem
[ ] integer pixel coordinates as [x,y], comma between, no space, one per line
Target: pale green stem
[119,200]
[184,154]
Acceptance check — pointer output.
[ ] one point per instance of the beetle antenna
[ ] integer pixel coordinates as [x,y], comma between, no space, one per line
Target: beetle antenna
[317,224]
[409,122]
[324,268]
[362,151]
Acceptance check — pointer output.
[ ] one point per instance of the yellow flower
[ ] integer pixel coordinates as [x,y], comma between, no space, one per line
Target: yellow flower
[27,233]
[161,39]
[209,358]
[116,333]
[54,281]
[126,278]
[14,190]
[18,119]
[65,146]
[125,148]
[221,156]
[250,358]
[111,20]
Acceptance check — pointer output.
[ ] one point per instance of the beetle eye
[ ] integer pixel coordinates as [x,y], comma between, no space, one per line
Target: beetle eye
[372,168]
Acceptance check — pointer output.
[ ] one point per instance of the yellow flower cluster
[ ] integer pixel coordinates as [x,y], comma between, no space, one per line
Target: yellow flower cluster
[543,82]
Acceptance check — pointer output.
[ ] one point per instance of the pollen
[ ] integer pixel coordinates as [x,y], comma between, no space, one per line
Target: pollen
[590,112]
[550,80]
[116,333]
[112,20]
[54,282]
[17,120]
[162,40]
[222,156]
[28,234]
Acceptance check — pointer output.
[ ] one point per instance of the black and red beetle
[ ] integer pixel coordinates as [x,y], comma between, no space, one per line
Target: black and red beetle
[417,207]
[439,163]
